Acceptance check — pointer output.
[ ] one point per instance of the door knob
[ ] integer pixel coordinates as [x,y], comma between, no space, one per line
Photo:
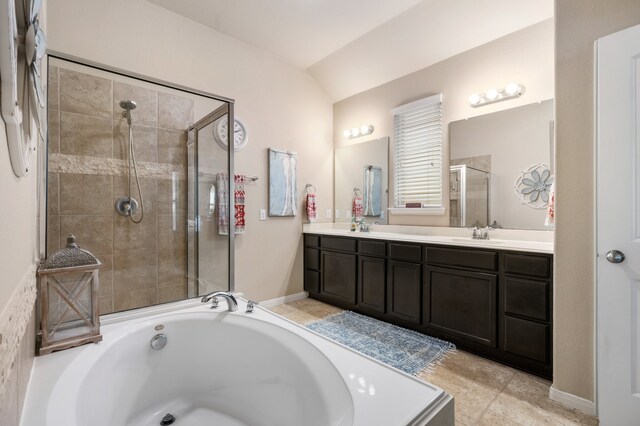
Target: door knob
[615,256]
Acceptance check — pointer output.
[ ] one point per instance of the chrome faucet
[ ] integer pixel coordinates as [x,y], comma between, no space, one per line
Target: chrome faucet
[364,226]
[481,233]
[231,300]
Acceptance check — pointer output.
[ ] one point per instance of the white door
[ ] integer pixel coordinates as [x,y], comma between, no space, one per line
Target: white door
[618,228]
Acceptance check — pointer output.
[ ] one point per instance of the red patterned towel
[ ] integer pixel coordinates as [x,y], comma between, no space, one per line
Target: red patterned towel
[239,194]
[312,213]
[357,207]
[223,210]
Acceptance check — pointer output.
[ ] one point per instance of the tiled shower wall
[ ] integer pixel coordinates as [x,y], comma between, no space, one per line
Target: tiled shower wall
[145,263]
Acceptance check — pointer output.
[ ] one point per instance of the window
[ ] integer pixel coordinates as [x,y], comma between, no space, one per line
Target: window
[418,153]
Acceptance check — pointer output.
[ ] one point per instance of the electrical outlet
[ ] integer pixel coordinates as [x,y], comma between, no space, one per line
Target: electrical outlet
[328,213]
[348,214]
[263,214]
[337,213]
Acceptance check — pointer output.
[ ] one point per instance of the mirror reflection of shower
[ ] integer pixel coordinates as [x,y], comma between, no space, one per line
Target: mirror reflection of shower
[127,205]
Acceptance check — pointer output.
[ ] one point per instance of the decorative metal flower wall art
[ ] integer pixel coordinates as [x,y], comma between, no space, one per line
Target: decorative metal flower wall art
[532,187]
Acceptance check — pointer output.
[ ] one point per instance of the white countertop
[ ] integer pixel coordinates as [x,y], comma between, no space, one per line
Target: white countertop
[500,239]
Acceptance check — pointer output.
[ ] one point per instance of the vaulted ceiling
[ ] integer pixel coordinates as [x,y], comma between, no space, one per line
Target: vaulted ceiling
[353,45]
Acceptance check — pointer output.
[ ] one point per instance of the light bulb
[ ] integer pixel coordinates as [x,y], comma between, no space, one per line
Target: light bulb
[492,94]
[512,89]
[474,99]
[347,133]
[355,132]
[364,130]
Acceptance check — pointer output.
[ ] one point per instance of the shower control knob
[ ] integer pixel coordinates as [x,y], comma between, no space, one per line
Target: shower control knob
[615,256]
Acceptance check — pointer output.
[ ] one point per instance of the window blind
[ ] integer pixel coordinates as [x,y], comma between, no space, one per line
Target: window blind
[418,152]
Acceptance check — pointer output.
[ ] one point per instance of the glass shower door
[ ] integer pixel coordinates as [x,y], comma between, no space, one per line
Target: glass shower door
[210,236]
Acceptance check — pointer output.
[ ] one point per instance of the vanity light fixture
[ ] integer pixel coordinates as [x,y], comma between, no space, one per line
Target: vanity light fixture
[367,129]
[512,90]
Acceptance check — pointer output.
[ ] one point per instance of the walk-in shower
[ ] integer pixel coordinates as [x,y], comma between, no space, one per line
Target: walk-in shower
[127,205]
[148,148]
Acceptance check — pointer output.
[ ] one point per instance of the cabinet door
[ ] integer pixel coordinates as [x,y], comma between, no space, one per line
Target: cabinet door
[339,276]
[403,290]
[312,281]
[461,303]
[371,283]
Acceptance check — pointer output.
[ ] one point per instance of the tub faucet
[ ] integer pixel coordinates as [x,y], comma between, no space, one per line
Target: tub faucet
[231,300]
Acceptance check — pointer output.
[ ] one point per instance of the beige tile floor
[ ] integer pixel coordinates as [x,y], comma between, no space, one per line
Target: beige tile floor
[485,392]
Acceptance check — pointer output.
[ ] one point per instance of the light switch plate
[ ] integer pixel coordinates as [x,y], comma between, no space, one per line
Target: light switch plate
[263,214]
[337,213]
[328,213]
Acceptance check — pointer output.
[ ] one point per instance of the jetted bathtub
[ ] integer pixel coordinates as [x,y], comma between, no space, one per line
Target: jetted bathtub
[223,368]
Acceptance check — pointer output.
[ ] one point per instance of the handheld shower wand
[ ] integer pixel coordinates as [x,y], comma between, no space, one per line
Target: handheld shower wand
[127,205]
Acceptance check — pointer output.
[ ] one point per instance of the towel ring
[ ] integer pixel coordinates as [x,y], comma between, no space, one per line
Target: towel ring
[357,192]
[306,188]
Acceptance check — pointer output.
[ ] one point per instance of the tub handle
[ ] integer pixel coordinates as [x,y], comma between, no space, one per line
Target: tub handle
[251,306]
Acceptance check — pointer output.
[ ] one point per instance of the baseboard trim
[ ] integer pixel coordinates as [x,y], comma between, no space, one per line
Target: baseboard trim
[572,401]
[284,299]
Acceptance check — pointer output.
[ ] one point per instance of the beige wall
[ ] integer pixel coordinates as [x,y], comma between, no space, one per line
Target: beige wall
[282,106]
[18,237]
[578,24]
[18,251]
[525,57]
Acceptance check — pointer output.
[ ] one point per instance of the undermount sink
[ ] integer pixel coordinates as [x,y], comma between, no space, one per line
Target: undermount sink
[472,241]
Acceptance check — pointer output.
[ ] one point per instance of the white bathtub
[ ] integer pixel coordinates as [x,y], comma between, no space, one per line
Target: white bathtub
[225,369]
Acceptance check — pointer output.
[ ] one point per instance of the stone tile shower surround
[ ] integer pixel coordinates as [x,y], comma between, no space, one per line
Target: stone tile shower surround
[144,263]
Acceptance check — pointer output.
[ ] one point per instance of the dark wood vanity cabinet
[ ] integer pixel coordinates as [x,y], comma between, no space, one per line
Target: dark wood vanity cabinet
[404,282]
[494,303]
[526,310]
[461,303]
[331,269]
[339,276]
[372,281]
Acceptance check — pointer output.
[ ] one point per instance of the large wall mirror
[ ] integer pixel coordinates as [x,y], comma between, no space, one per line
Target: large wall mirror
[501,168]
[362,171]
[135,174]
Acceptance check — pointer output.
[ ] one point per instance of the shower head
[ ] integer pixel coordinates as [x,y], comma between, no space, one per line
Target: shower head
[128,104]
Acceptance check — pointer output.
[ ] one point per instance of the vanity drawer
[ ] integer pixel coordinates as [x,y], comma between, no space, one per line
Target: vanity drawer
[311,258]
[476,259]
[337,243]
[372,248]
[401,251]
[527,339]
[526,298]
[312,240]
[527,264]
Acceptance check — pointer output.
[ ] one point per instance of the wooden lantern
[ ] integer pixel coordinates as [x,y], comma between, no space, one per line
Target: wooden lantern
[68,299]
